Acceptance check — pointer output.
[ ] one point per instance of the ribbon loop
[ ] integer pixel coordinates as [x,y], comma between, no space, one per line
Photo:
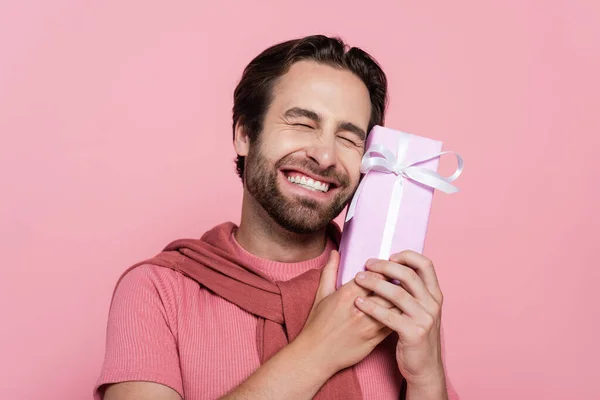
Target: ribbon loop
[379,158]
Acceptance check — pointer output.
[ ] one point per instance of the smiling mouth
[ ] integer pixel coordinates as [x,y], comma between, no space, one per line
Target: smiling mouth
[306,182]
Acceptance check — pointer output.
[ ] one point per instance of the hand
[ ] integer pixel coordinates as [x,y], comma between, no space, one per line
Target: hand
[338,333]
[416,315]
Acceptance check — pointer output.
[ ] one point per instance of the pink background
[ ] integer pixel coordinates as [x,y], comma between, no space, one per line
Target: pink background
[115,139]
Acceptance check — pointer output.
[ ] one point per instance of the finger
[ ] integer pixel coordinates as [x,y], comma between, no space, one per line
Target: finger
[409,279]
[381,301]
[328,277]
[389,317]
[407,328]
[356,289]
[395,294]
[378,299]
[423,266]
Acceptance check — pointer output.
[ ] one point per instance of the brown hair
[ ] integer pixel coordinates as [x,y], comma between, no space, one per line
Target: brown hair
[252,95]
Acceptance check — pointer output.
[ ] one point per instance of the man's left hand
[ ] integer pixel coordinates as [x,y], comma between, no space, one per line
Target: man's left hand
[415,315]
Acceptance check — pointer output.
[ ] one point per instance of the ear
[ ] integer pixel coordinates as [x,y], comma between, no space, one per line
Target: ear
[241,141]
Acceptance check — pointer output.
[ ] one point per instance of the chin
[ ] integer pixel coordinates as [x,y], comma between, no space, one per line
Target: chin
[305,225]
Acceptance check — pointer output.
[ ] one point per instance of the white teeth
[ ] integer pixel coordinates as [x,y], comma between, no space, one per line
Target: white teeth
[309,183]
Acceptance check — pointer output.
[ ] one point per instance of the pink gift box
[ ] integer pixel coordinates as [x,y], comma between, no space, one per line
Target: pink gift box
[390,210]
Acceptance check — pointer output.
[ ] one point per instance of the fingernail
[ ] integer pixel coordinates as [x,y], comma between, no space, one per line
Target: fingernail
[360,300]
[361,276]
[371,261]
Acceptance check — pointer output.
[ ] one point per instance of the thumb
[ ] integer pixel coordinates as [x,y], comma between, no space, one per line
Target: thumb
[328,277]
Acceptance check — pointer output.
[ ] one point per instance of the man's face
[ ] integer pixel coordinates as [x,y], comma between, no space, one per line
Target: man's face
[304,167]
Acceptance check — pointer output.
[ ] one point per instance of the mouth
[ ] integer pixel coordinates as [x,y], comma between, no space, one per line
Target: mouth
[306,180]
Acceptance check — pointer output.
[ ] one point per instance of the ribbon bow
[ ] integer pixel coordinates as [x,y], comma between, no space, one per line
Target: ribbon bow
[379,158]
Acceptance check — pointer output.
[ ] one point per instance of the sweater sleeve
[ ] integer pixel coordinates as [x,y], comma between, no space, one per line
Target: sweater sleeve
[141,337]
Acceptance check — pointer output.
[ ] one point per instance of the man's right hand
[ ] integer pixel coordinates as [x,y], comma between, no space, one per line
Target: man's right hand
[336,333]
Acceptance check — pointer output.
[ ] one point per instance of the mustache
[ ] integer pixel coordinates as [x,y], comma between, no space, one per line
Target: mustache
[313,168]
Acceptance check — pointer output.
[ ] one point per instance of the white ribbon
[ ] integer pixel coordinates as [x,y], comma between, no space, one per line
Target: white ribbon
[387,162]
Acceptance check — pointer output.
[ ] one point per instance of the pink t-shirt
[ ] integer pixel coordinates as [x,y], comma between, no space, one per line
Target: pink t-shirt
[164,327]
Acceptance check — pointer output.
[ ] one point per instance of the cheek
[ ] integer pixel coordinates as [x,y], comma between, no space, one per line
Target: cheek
[351,161]
[355,177]
[285,143]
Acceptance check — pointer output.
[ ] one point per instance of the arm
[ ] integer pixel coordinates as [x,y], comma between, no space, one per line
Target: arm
[141,358]
[293,373]
[335,336]
[271,381]
[438,387]
[140,391]
[433,389]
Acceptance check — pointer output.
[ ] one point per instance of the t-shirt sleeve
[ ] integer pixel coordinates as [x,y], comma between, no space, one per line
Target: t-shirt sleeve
[141,337]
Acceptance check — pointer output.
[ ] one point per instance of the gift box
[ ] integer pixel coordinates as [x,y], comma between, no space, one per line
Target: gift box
[389,211]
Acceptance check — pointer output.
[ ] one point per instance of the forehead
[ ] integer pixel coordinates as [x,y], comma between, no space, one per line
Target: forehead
[333,92]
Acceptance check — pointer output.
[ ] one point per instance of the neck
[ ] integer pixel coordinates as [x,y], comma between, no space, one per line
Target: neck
[260,235]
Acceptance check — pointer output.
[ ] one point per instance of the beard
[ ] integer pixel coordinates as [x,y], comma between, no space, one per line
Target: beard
[300,215]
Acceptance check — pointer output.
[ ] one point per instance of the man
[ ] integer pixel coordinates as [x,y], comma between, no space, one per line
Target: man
[251,312]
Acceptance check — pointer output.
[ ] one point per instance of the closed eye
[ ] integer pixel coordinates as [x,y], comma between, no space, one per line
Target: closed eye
[349,141]
[304,126]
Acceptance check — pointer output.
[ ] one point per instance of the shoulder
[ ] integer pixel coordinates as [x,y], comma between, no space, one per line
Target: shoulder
[148,279]
[149,275]
[149,288]
[154,280]
[148,285]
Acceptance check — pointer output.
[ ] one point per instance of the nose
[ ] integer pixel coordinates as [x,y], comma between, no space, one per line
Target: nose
[323,152]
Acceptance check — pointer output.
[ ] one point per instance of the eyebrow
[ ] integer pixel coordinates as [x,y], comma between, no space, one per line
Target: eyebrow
[296,112]
[302,112]
[349,126]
